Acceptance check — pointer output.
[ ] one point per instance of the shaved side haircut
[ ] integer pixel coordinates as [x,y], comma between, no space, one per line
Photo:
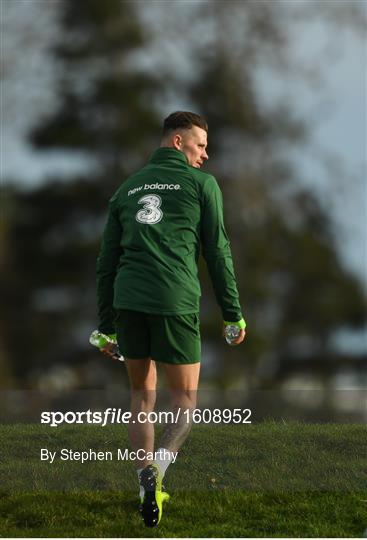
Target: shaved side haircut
[183,120]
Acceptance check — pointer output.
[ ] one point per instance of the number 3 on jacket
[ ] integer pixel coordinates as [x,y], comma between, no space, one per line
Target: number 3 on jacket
[151,212]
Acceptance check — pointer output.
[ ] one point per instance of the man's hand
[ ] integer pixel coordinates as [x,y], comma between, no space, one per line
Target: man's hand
[109,350]
[240,338]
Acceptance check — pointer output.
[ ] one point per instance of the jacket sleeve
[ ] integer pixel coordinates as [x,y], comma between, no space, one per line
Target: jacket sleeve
[107,264]
[217,253]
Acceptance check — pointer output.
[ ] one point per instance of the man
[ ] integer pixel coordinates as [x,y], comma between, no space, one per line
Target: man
[148,287]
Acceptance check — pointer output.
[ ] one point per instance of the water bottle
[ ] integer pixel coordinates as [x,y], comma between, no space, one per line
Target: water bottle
[231,333]
[99,340]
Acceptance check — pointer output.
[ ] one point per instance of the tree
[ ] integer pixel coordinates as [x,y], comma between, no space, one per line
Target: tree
[106,111]
[294,286]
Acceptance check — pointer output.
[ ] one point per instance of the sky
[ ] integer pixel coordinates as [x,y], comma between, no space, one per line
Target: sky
[334,109]
[336,115]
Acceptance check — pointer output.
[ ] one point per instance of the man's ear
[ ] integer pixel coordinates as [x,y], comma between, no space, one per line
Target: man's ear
[177,141]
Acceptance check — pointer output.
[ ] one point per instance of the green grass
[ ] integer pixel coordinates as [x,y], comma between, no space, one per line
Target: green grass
[261,480]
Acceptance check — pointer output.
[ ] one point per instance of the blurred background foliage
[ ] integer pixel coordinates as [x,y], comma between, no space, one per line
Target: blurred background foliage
[296,291]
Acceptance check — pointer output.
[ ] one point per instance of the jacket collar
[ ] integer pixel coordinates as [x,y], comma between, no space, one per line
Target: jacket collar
[168,154]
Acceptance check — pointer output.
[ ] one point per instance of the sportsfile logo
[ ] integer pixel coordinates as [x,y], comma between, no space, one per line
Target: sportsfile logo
[109,416]
[118,416]
[162,187]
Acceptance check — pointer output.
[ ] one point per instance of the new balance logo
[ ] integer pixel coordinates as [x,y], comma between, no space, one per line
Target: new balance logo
[168,187]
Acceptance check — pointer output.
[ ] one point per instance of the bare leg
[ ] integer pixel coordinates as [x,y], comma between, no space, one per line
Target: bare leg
[182,382]
[143,379]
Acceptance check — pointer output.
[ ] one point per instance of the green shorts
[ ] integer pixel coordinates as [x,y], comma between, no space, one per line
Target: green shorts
[172,339]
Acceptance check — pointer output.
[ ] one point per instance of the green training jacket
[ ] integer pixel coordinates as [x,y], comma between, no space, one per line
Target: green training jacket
[157,221]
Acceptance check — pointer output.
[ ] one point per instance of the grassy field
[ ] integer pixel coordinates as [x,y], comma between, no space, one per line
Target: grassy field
[261,480]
